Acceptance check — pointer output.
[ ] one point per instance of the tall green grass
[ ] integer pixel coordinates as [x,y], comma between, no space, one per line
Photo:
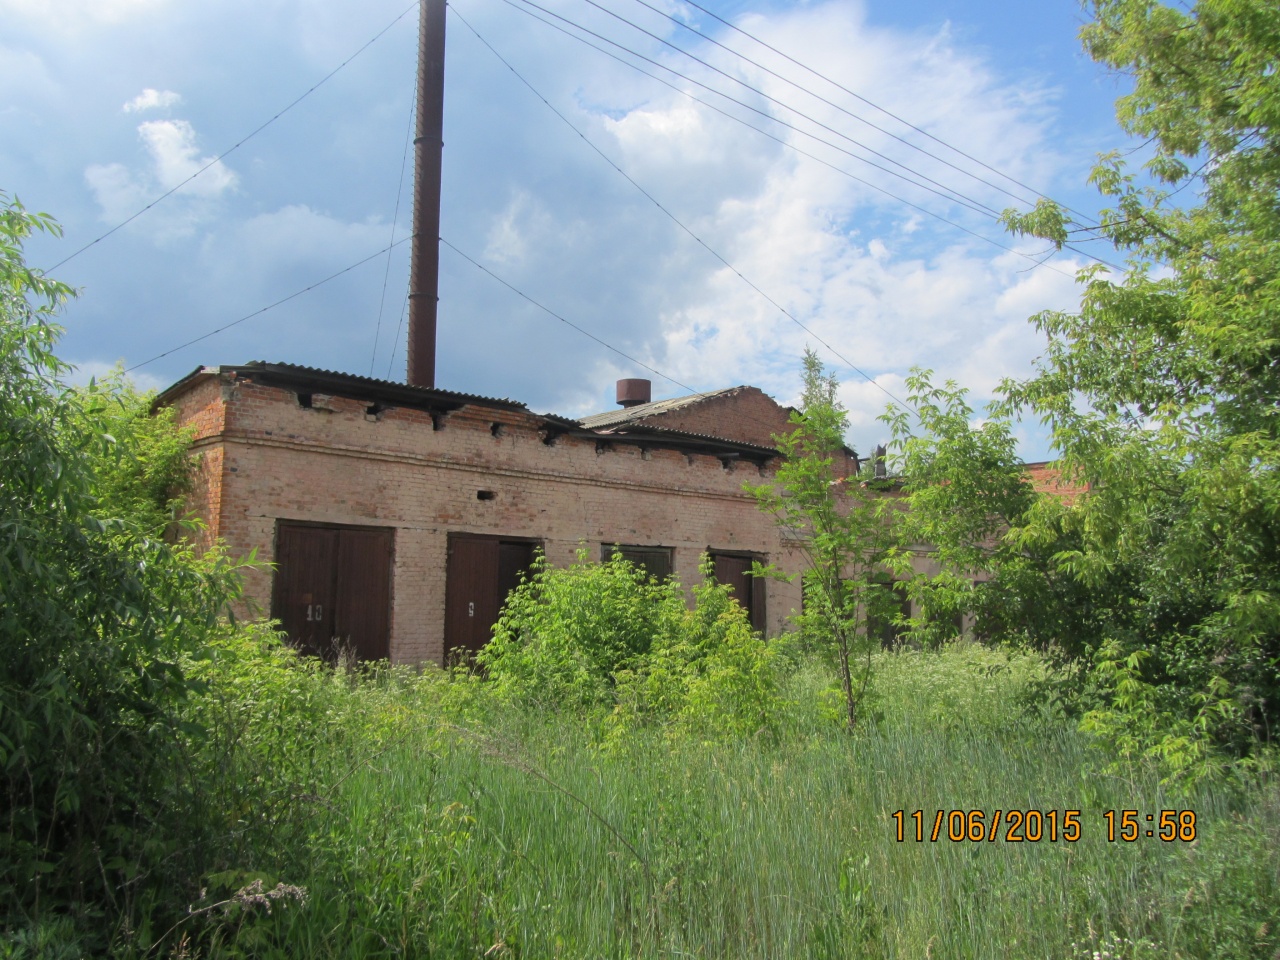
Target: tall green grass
[426,819]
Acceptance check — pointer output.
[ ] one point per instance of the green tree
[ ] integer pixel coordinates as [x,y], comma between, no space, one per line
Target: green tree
[964,489]
[96,613]
[845,530]
[1163,390]
[144,470]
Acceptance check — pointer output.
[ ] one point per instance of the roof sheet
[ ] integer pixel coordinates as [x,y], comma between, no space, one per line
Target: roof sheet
[644,410]
[391,391]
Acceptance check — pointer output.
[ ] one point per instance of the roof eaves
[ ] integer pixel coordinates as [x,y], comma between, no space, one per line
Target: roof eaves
[295,377]
[640,433]
[175,389]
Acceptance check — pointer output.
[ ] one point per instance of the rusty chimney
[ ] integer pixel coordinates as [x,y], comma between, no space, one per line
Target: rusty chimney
[428,145]
[632,393]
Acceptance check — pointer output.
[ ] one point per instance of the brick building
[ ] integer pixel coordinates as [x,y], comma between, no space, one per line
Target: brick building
[397,517]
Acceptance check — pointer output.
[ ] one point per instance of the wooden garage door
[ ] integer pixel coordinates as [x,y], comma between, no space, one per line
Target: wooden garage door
[332,589]
[481,571]
[735,571]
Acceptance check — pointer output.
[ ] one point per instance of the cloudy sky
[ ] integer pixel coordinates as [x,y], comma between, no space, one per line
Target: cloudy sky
[107,104]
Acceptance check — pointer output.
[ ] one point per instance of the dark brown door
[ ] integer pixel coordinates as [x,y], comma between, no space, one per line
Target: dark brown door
[332,589]
[302,598]
[481,572]
[362,593]
[513,560]
[735,571]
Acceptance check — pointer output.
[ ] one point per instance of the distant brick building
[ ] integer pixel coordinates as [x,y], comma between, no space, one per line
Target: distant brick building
[398,517]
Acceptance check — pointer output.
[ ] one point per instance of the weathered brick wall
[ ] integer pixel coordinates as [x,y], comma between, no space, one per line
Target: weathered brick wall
[335,462]
[744,413]
[202,407]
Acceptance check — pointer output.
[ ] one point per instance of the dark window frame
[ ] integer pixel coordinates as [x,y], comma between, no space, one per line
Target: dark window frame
[640,555]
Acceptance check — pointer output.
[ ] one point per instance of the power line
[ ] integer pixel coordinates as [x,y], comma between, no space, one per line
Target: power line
[779,307]
[874,106]
[764,133]
[586,333]
[787,106]
[985,211]
[395,217]
[849,113]
[272,306]
[226,153]
[940,189]
[395,345]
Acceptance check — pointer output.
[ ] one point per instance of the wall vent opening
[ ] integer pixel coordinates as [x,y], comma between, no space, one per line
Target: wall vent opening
[485,495]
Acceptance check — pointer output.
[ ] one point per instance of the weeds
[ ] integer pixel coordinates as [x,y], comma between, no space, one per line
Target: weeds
[425,817]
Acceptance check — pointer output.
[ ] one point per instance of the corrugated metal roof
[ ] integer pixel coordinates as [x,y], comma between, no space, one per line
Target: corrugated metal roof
[622,430]
[298,377]
[639,430]
[395,385]
[642,411]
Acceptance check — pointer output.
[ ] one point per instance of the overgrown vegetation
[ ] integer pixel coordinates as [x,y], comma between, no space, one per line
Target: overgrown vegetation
[606,640]
[634,777]
[96,614]
[1158,590]
[845,531]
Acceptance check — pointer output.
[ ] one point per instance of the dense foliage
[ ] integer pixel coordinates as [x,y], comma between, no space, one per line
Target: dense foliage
[1158,590]
[142,472]
[607,635]
[96,613]
[1163,390]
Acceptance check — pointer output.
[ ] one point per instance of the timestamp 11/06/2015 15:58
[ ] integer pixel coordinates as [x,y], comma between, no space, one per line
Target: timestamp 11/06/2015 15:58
[1033,826]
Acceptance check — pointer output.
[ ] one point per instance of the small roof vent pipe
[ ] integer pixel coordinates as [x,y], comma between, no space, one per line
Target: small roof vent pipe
[632,393]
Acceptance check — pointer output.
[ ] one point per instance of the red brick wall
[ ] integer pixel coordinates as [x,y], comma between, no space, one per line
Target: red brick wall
[202,406]
[1047,478]
[744,413]
[335,463]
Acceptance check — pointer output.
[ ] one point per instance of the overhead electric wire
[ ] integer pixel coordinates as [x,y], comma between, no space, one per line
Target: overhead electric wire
[243,140]
[395,344]
[984,211]
[849,113]
[676,220]
[938,188]
[790,146]
[786,106]
[586,333]
[875,106]
[270,306]
[395,217]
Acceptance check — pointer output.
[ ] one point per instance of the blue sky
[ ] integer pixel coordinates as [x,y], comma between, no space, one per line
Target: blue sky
[105,104]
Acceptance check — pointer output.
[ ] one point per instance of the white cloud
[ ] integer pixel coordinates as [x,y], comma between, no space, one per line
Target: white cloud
[885,286]
[174,159]
[172,145]
[524,220]
[151,99]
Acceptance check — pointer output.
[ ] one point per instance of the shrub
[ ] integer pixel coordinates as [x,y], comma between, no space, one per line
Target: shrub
[606,636]
[564,633]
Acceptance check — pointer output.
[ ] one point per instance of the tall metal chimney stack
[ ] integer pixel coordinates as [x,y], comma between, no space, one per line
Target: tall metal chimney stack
[428,146]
